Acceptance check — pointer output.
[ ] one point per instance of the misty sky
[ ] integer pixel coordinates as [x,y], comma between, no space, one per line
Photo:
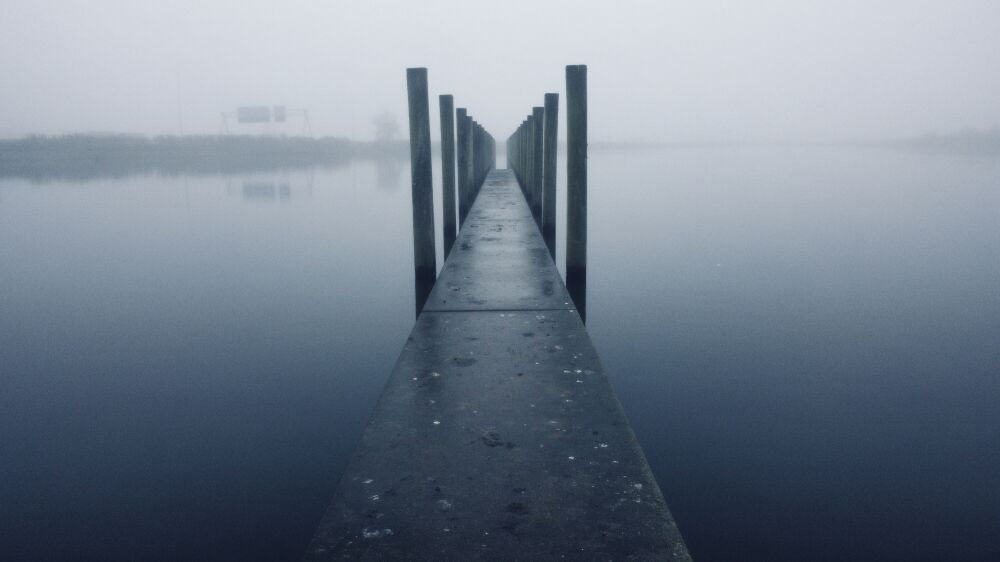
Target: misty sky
[658,70]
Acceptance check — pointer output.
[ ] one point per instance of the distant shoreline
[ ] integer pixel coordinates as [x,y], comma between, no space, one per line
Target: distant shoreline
[968,142]
[82,156]
[86,156]
[972,142]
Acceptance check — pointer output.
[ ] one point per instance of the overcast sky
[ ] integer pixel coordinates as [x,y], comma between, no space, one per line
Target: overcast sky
[658,70]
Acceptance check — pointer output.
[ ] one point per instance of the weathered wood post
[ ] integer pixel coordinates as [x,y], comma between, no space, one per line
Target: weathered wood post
[424,259]
[526,161]
[522,145]
[484,163]
[551,138]
[448,170]
[516,156]
[538,118]
[576,186]
[492,149]
[469,165]
[477,160]
[513,152]
[524,158]
[462,150]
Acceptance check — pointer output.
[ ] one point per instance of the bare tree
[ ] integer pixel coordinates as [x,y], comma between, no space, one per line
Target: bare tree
[386,127]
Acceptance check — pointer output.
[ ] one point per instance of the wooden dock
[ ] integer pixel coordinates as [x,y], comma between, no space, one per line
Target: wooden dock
[498,436]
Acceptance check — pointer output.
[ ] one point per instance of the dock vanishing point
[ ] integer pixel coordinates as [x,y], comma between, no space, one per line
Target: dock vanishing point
[498,435]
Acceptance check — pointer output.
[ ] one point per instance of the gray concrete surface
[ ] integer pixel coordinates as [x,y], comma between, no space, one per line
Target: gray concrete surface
[498,436]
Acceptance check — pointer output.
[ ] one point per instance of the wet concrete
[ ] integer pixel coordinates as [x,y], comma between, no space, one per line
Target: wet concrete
[498,436]
[500,261]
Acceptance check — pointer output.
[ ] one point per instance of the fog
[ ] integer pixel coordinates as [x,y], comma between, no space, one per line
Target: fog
[675,71]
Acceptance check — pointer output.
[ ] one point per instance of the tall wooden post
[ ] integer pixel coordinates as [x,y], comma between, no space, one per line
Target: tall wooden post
[528,176]
[524,158]
[469,165]
[463,163]
[424,259]
[551,138]
[448,170]
[538,118]
[477,161]
[576,186]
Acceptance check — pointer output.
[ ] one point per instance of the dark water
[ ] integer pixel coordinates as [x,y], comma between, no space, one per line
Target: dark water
[187,364]
[806,340]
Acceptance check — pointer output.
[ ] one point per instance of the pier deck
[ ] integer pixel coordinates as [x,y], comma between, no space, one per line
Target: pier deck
[498,436]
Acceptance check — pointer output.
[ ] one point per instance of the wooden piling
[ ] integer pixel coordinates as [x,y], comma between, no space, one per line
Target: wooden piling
[576,185]
[549,154]
[469,164]
[462,151]
[424,259]
[421,183]
[447,111]
[526,159]
[538,119]
[523,156]
[477,159]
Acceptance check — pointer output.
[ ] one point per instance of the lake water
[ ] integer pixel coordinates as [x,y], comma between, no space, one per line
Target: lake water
[806,341]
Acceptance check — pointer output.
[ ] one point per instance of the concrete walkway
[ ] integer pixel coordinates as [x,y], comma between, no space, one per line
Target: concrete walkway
[498,436]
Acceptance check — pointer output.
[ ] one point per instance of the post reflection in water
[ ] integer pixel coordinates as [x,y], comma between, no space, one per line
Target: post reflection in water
[576,284]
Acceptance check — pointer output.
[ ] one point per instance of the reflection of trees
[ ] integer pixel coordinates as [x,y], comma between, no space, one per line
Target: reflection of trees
[388,172]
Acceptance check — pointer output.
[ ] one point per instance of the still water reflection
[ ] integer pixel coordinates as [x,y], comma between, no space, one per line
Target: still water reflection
[805,340]
[187,362]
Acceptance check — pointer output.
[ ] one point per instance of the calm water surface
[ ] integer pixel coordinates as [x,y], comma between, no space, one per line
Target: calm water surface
[806,340]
